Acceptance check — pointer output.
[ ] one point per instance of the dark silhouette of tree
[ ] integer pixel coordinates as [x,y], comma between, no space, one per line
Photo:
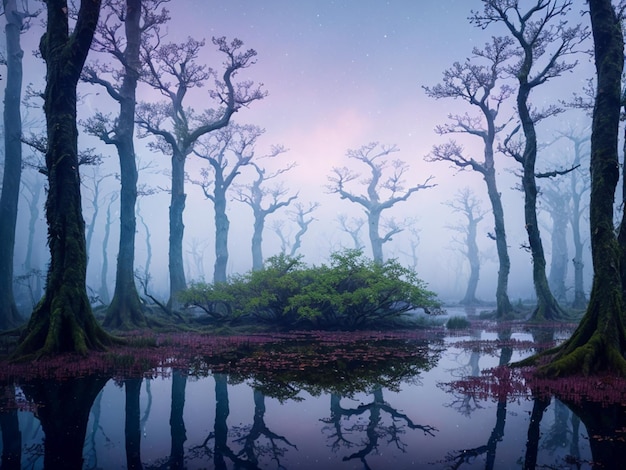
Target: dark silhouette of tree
[12,171]
[374,156]
[172,69]
[125,25]
[478,85]
[373,429]
[178,431]
[63,320]
[93,195]
[252,436]
[256,194]
[11,434]
[64,421]
[465,203]
[543,40]
[598,343]
[132,423]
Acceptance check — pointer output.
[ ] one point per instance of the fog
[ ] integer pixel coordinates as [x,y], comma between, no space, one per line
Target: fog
[338,76]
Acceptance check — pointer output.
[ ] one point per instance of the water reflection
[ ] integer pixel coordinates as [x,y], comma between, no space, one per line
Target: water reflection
[344,414]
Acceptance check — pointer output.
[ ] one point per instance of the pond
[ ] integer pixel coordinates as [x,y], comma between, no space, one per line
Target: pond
[375,401]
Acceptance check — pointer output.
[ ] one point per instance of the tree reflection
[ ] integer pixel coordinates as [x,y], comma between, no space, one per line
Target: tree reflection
[10,428]
[63,408]
[253,435]
[374,429]
[177,423]
[132,425]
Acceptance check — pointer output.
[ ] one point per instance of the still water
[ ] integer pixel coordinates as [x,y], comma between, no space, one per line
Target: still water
[404,418]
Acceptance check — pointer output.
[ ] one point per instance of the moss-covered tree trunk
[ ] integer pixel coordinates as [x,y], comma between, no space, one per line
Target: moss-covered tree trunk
[599,342]
[125,310]
[63,320]
[9,315]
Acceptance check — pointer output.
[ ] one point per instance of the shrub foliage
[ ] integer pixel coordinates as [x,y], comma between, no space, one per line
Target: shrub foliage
[351,292]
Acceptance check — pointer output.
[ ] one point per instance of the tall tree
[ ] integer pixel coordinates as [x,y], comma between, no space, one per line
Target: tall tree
[392,186]
[543,39]
[63,320]
[579,185]
[477,85]
[557,203]
[254,195]
[136,18]
[466,203]
[236,141]
[172,69]
[10,191]
[599,342]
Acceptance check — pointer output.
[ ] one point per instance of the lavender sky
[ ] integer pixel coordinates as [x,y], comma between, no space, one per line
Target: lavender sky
[341,74]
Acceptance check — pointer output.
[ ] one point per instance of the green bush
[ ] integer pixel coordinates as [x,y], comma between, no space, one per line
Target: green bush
[351,292]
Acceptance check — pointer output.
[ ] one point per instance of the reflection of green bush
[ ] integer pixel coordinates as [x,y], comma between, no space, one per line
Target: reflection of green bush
[457,323]
[324,365]
[351,292]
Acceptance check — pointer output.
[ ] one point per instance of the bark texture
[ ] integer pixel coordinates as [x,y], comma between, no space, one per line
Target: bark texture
[599,342]
[63,320]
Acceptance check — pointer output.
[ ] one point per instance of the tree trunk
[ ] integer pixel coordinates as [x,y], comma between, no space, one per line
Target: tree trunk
[221,238]
[373,223]
[257,240]
[558,259]
[599,342]
[126,310]
[177,228]
[474,262]
[103,292]
[503,304]
[63,320]
[547,307]
[9,315]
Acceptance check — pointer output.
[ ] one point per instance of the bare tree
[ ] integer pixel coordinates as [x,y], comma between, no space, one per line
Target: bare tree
[226,150]
[466,203]
[579,186]
[556,200]
[172,69]
[254,195]
[301,216]
[543,41]
[478,85]
[374,156]
[353,228]
[137,19]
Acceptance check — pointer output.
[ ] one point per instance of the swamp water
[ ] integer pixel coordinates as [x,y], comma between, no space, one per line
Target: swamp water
[379,401]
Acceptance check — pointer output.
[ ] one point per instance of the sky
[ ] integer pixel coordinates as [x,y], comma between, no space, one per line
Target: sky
[339,75]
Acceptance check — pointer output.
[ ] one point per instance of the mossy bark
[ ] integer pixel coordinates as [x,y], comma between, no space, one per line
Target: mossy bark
[63,320]
[599,342]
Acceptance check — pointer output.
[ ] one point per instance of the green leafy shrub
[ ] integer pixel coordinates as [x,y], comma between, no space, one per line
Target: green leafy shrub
[351,292]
